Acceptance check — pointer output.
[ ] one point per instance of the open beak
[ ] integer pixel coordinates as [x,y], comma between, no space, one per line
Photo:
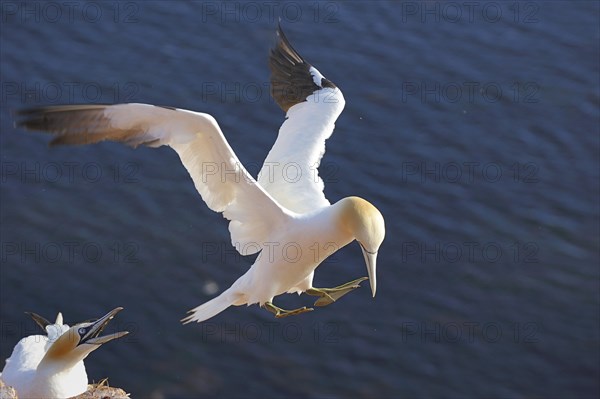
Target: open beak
[93,336]
[371,261]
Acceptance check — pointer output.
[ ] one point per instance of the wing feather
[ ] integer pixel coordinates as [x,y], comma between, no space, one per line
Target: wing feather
[312,104]
[218,175]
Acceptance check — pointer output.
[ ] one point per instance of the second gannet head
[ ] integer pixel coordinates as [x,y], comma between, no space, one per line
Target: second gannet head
[80,340]
[52,366]
[365,223]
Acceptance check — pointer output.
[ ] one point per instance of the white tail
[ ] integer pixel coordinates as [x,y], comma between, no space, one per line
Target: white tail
[211,308]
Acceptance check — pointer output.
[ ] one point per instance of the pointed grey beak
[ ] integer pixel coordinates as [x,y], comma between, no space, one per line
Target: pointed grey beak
[371,261]
[92,337]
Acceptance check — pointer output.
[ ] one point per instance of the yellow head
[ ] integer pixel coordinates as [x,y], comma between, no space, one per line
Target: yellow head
[80,340]
[365,223]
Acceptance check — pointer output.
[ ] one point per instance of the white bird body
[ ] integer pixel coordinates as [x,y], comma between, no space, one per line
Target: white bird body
[284,214]
[288,260]
[21,369]
[22,373]
[51,366]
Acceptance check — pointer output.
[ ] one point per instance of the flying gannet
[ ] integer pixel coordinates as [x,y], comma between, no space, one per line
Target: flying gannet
[286,219]
[52,366]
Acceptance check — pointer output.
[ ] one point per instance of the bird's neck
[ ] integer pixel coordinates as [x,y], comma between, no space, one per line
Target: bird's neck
[61,379]
[334,222]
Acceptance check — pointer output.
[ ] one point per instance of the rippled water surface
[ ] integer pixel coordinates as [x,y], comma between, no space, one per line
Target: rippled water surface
[474,129]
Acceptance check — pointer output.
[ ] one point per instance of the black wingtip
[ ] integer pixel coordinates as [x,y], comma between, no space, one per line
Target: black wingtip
[42,118]
[291,77]
[284,46]
[291,82]
[279,30]
[29,118]
[33,118]
[39,320]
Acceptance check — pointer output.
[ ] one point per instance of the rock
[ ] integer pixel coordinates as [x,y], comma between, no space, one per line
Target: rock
[95,391]
[7,392]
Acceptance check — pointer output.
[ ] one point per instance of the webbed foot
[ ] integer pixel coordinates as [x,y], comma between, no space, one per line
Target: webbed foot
[330,295]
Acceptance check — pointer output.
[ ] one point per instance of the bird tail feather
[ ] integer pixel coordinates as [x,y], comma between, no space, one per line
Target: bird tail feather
[210,308]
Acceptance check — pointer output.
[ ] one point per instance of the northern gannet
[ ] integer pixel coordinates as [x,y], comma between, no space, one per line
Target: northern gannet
[52,366]
[284,214]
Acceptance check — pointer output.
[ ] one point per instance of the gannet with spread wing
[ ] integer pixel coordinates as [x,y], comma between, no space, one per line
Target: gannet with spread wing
[51,366]
[288,221]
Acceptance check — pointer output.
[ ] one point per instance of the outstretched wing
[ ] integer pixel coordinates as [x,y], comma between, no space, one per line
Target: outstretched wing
[218,175]
[312,104]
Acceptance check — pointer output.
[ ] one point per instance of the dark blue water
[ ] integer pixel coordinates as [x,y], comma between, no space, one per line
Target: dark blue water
[473,128]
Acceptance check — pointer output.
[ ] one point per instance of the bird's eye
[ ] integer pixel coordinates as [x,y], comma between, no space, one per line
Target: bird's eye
[82,331]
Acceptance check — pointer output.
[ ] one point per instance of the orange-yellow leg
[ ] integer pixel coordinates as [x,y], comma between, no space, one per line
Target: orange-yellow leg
[279,313]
